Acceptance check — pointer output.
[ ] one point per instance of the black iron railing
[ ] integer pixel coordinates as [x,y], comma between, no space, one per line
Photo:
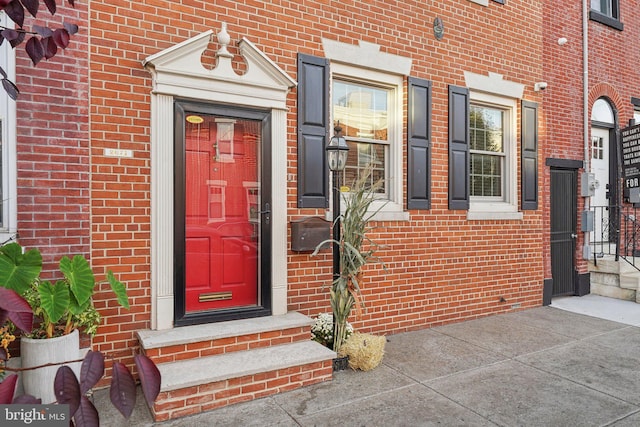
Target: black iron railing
[616,231]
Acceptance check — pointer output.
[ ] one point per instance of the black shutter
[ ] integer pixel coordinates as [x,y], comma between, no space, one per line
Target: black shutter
[313,126]
[458,147]
[419,145]
[529,152]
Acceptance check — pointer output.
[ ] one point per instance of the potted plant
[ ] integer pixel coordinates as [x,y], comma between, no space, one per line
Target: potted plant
[356,249]
[60,309]
[69,387]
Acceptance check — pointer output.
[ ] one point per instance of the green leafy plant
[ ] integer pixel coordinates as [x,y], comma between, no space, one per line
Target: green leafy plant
[69,389]
[356,250]
[60,306]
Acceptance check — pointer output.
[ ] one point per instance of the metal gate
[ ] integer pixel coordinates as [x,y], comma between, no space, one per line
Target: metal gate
[563,230]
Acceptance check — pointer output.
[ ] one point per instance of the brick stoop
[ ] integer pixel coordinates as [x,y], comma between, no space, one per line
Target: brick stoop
[208,366]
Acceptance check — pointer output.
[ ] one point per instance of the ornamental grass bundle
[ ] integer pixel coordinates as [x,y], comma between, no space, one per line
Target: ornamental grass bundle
[365,351]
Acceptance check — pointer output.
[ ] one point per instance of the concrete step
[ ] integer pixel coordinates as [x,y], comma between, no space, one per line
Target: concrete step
[613,292]
[605,279]
[630,280]
[197,385]
[218,364]
[188,342]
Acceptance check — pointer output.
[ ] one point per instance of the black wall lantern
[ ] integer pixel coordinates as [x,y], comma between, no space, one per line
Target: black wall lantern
[337,152]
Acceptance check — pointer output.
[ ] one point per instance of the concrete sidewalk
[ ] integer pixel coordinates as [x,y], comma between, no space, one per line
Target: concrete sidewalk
[540,367]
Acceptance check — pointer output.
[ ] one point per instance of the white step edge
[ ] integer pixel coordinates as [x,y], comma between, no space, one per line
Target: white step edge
[204,370]
[212,331]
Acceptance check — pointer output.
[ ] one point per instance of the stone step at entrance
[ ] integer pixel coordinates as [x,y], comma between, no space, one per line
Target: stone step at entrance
[208,366]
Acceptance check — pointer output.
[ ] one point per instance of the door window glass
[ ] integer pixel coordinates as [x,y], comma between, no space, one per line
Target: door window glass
[222,196]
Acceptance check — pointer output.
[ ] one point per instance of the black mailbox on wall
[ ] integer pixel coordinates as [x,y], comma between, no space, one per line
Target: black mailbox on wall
[307,233]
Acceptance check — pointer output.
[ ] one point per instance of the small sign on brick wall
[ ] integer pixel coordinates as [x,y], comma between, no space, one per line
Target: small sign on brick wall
[116,152]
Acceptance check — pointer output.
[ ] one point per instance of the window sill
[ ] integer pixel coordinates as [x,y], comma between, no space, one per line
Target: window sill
[388,211]
[391,215]
[492,211]
[605,20]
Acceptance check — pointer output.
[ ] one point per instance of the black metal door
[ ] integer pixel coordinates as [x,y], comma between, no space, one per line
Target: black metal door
[563,230]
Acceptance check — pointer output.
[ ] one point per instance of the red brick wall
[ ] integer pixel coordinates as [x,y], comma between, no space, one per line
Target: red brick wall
[612,73]
[53,143]
[441,267]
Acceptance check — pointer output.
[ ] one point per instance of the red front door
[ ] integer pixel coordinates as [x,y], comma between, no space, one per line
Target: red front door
[221,212]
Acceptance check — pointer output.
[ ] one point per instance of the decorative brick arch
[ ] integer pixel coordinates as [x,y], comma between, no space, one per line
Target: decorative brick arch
[605,90]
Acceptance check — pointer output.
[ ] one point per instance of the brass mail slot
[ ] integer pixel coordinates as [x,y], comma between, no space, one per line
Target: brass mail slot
[214,296]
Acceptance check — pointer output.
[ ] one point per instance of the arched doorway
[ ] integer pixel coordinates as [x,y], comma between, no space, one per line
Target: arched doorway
[603,166]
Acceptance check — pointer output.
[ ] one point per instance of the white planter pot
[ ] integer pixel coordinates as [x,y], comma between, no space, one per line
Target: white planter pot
[37,352]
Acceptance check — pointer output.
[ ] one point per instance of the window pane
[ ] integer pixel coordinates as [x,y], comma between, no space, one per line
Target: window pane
[360,156]
[486,129]
[602,6]
[361,110]
[486,175]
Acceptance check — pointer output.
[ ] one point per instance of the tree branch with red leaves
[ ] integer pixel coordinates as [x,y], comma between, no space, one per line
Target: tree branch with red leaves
[42,42]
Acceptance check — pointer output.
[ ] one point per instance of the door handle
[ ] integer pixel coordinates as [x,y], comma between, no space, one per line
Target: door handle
[267,209]
[267,212]
[574,236]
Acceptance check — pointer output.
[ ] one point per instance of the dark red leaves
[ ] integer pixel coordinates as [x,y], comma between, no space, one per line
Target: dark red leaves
[44,45]
[9,34]
[18,39]
[51,5]
[50,47]
[7,389]
[26,399]
[42,31]
[34,50]
[71,28]
[10,88]
[67,389]
[61,37]
[91,371]
[17,309]
[87,414]
[150,378]
[123,389]
[15,12]
[31,6]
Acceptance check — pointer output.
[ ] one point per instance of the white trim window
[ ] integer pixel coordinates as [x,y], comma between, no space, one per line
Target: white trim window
[8,206]
[493,149]
[368,106]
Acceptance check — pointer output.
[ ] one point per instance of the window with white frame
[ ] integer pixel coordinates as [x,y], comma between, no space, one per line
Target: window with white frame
[493,166]
[487,150]
[367,106]
[7,142]
[362,111]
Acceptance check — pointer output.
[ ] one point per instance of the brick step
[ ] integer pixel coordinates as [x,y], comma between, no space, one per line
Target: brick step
[196,385]
[196,341]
